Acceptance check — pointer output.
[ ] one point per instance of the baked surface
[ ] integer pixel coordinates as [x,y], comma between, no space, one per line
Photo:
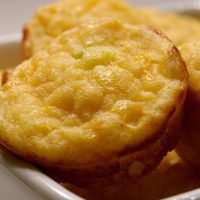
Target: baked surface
[176,26]
[103,101]
[50,21]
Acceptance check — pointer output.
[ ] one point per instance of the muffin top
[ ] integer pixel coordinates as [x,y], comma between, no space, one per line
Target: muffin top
[51,20]
[95,91]
[179,28]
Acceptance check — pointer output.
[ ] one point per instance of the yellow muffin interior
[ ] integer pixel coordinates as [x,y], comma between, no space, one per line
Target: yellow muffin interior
[96,90]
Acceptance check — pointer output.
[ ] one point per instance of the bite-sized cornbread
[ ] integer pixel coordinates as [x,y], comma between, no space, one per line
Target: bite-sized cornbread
[179,28]
[101,104]
[189,146]
[50,21]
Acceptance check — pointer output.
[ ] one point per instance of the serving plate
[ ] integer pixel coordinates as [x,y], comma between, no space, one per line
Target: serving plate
[47,188]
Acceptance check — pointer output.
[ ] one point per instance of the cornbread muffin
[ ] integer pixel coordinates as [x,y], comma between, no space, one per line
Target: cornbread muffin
[50,21]
[102,104]
[179,28]
[189,147]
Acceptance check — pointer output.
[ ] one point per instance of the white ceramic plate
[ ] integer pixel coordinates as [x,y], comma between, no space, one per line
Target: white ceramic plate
[46,187]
